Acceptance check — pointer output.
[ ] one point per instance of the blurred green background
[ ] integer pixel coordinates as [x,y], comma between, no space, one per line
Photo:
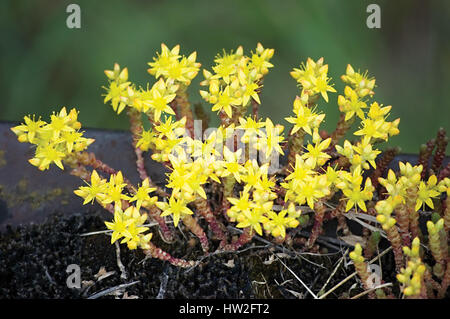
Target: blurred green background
[44,65]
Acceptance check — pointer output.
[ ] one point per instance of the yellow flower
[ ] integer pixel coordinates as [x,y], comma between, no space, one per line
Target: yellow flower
[146,140]
[225,101]
[129,225]
[117,75]
[226,64]
[301,171]
[96,190]
[375,126]
[27,132]
[427,192]
[271,140]
[313,78]
[351,104]
[119,226]
[252,218]
[251,128]
[240,205]
[174,67]
[118,95]
[252,174]
[231,164]
[395,188]
[320,85]
[201,177]
[236,79]
[367,153]
[315,155]
[372,129]
[161,97]
[180,175]
[175,207]
[250,90]
[305,118]
[55,140]
[278,223]
[361,82]
[142,196]
[312,189]
[260,59]
[351,187]
[114,191]
[46,155]
[170,128]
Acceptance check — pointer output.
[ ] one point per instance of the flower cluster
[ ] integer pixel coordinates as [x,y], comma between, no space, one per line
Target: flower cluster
[254,207]
[313,78]
[305,118]
[173,67]
[236,79]
[55,141]
[408,183]
[153,101]
[164,138]
[128,223]
[352,102]
[230,176]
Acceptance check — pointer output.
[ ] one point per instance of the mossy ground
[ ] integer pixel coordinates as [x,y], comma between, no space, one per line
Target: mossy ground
[34,258]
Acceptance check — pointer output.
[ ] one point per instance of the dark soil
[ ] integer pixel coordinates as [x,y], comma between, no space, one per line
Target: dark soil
[34,259]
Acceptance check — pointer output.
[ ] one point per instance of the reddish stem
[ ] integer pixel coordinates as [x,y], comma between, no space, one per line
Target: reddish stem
[439,155]
[192,224]
[319,210]
[244,238]
[217,227]
[156,252]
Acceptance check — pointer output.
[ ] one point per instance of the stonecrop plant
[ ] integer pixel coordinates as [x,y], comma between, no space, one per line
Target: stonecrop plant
[252,174]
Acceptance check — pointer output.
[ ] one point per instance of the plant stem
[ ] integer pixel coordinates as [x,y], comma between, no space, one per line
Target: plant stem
[156,252]
[166,233]
[217,227]
[341,129]
[447,214]
[192,224]
[439,155]
[401,215]
[319,210]
[89,159]
[411,197]
[245,237]
[136,128]
[228,186]
[382,164]
[445,281]
[426,150]
[184,109]
[396,243]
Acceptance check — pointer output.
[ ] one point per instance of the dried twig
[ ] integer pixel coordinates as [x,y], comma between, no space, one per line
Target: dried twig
[353,274]
[164,280]
[123,272]
[371,290]
[332,274]
[112,289]
[295,275]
